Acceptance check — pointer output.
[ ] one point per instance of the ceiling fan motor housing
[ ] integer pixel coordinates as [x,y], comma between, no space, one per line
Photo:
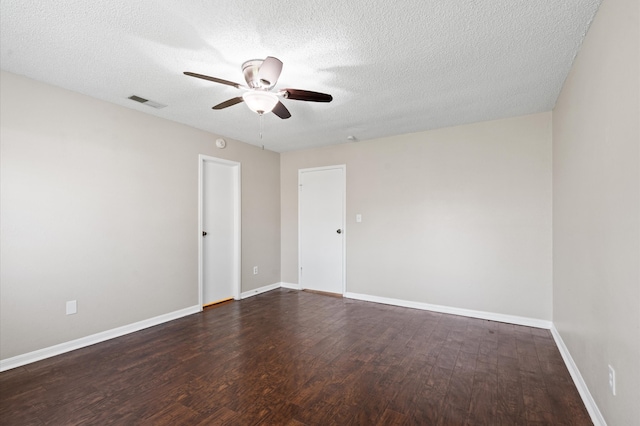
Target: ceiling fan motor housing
[250,69]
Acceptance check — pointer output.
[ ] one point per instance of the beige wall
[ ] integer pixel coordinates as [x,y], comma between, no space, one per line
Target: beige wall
[99,204]
[596,215]
[459,217]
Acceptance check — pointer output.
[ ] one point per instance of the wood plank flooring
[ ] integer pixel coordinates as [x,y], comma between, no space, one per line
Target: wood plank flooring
[296,358]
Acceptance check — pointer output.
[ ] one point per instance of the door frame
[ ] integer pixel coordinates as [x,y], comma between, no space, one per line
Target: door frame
[237,249]
[343,167]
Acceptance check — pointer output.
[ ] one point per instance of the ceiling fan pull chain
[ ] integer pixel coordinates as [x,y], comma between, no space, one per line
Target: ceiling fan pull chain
[261,124]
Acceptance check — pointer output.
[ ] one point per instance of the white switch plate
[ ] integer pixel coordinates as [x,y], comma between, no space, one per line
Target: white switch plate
[358,218]
[255,270]
[612,380]
[72,307]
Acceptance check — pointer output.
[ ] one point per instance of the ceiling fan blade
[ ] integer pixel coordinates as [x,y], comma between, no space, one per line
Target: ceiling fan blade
[270,71]
[229,103]
[306,95]
[281,111]
[214,79]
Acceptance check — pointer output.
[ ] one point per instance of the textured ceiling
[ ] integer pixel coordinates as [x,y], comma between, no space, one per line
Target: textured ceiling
[392,67]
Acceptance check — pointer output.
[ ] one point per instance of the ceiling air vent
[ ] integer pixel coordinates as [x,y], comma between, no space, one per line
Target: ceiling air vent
[147,102]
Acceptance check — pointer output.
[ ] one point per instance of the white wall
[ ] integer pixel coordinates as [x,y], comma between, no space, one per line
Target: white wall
[596,213]
[459,217]
[99,205]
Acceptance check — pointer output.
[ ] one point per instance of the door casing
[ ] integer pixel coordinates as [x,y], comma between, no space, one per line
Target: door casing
[236,169]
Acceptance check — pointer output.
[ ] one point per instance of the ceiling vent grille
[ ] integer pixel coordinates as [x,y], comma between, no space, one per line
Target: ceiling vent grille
[147,102]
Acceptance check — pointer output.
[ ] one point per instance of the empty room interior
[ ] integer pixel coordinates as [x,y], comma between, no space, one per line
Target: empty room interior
[415,213]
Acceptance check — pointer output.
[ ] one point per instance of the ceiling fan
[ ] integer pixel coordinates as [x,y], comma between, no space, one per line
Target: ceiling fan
[261,76]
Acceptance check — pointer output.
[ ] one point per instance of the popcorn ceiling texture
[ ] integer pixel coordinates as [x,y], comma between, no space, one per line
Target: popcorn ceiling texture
[392,67]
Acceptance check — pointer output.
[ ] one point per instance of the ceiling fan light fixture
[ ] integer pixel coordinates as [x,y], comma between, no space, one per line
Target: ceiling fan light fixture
[261,76]
[260,101]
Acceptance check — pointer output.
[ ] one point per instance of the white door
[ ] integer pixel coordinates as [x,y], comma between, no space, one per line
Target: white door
[321,228]
[220,227]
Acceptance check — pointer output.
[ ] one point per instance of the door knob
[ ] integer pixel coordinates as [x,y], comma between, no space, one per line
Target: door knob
[204,234]
[339,231]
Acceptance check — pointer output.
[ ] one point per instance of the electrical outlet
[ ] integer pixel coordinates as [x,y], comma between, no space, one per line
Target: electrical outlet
[72,307]
[255,270]
[612,380]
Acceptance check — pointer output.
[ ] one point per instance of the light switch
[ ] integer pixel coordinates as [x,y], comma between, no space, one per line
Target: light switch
[358,218]
[72,307]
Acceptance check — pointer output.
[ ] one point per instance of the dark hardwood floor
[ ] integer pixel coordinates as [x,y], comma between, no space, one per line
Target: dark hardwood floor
[296,358]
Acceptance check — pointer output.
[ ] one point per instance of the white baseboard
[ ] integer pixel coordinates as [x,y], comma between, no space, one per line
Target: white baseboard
[589,402]
[291,286]
[257,291]
[40,354]
[511,319]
